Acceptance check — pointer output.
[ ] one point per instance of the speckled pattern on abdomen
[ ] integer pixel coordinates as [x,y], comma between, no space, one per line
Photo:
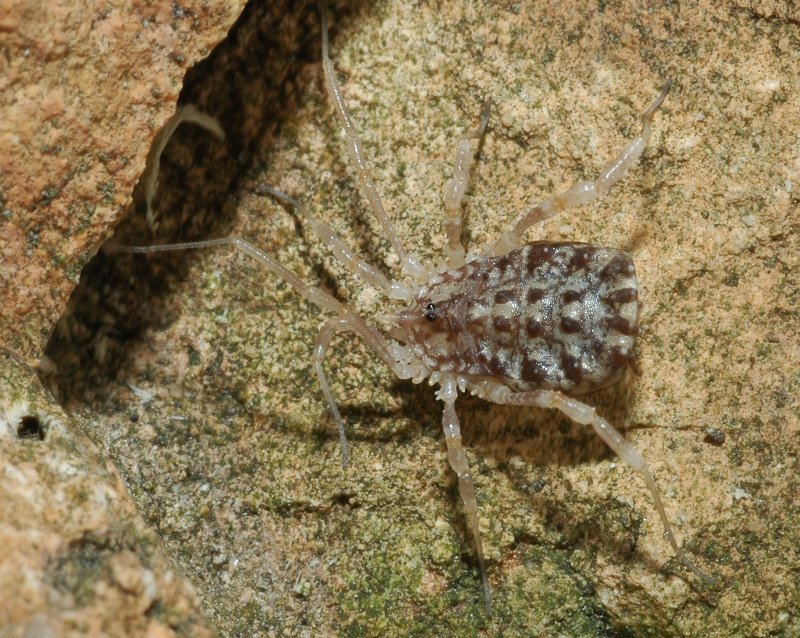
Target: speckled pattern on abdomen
[549,315]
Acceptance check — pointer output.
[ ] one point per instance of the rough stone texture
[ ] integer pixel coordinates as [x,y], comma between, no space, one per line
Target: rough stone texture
[84,87]
[76,559]
[233,456]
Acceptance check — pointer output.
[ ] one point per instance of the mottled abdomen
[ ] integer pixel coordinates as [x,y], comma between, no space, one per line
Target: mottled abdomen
[553,315]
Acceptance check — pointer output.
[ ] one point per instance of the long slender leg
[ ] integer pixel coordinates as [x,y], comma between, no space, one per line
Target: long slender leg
[341,250]
[410,264]
[586,415]
[459,463]
[370,335]
[583,192]
[321,346]
[398,353]
[455,189]
[149,181]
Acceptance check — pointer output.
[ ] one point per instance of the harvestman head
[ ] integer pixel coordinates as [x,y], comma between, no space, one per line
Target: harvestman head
[522,324]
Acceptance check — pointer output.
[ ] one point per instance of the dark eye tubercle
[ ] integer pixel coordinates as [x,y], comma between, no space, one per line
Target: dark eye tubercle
[430,312]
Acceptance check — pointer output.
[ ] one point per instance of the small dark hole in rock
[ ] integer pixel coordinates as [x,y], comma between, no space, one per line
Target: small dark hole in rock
[343,498]
[30,428]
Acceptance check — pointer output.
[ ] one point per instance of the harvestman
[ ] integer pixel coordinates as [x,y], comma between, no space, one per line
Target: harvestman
[522,324]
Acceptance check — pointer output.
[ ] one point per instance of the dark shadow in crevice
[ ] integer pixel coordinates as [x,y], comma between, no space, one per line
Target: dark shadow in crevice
[251,84]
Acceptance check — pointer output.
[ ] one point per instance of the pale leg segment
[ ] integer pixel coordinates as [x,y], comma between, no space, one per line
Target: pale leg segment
[459,463]
[339,248]
[583,192]
[410,264]
[321,346]
[587,415]
[347,319]
[149,179]
[454,192]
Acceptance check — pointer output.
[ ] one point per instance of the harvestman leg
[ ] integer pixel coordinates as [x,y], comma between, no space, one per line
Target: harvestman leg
[453,195]
[466,487]
[346,319]
[341,250]
[321,345]
[583,192]
[454,192]
[410,264]
[587,415]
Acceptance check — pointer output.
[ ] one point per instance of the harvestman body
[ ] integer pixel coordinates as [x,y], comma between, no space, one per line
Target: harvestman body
[523,324]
